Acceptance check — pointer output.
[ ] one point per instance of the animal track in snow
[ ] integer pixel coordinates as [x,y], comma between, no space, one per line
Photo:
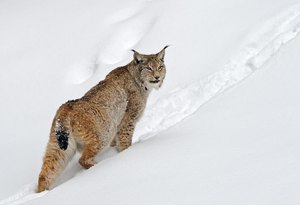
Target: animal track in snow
[129,31]
[129,26]
[127,12]
[81,71]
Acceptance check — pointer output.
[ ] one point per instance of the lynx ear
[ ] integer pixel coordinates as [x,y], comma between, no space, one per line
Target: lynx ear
[137,57]
[161,54]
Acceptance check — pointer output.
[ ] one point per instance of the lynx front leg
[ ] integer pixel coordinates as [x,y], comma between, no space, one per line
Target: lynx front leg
[126,128]
[124,138]
[134,110]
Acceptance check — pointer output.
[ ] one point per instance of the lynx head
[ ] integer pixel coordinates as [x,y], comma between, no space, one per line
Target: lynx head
[150,69]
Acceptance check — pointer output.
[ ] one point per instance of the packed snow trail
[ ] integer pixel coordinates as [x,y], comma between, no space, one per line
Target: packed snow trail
[179,104]
[258,49]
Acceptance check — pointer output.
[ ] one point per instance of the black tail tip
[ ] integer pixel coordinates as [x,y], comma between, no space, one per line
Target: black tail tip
[62,139]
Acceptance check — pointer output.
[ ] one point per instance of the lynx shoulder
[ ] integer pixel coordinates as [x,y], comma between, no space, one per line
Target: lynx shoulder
[105,116]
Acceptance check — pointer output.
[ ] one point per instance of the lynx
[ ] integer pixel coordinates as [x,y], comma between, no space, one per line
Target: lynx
[105,116]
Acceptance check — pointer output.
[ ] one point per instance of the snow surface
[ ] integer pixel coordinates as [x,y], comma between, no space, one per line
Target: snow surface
[241,148]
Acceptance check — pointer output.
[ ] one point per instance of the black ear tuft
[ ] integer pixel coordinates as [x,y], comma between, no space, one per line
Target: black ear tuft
[136,56]
[166,47]
[161,54]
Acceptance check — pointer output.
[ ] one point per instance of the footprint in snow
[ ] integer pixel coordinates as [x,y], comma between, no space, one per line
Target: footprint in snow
[129,26]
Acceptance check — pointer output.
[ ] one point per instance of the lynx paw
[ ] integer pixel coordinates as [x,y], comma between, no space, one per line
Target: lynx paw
[86,163]
[113,143]
[42,184]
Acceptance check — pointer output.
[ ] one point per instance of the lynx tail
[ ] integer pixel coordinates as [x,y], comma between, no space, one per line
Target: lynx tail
[62,126]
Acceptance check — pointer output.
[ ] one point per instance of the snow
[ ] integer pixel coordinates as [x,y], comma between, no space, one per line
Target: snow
[260,47]
[25,194]
[238,147]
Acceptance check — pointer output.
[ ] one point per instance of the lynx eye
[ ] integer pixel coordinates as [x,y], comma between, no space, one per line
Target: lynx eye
[160,68]
[149,68]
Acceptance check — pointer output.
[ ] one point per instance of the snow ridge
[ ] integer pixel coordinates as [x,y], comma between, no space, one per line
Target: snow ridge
[27,193]
[258,49]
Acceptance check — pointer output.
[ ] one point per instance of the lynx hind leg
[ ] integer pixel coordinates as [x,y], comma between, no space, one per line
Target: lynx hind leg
[91,147]
[92,133]
[54,162]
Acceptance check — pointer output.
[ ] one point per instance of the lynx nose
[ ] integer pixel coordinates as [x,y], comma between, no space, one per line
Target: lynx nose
[157,77]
